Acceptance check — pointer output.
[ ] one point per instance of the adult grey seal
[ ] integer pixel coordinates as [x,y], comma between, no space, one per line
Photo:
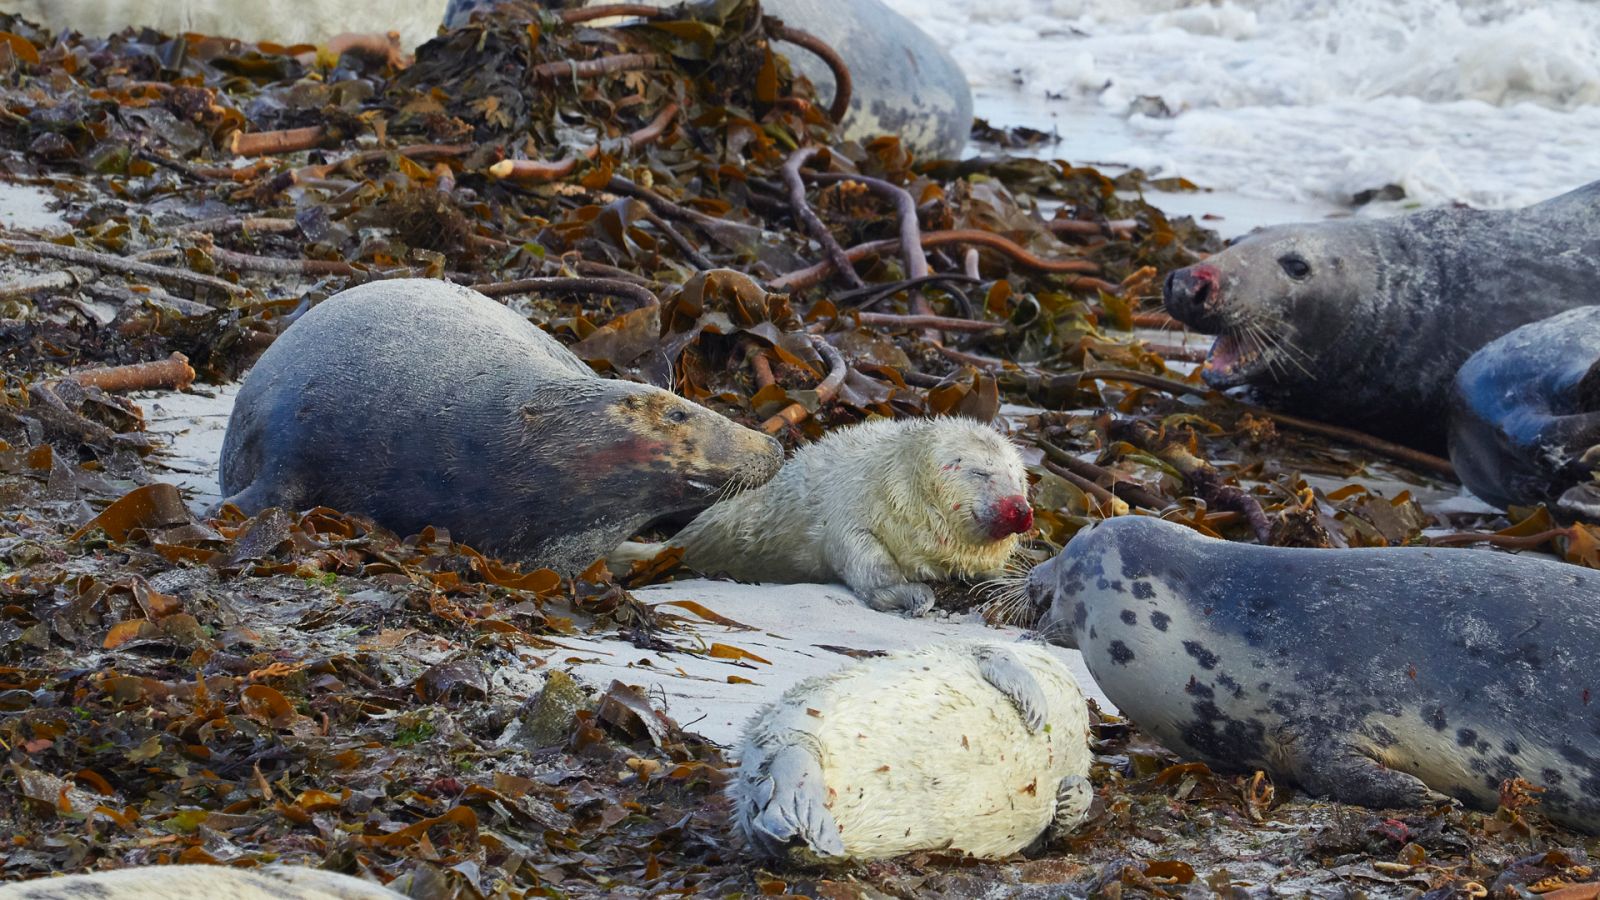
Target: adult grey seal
[182,882]
[977,747]
[423,403]
[1525,415]
[1374,676]
[885,506]
[903,83]
[1364,322]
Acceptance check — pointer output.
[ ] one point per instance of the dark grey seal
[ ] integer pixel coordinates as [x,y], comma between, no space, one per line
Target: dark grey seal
[904,84]
[1374,676]
[423,403]
[1525,416]
[1364,322]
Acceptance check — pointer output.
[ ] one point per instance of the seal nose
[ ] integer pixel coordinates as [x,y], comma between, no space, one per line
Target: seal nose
[1012,515]
[1192,295]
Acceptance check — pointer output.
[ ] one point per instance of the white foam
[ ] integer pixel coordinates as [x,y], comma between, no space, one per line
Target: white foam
[1494,103]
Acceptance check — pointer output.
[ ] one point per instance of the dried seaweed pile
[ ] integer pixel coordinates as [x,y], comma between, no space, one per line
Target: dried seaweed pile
[670,201]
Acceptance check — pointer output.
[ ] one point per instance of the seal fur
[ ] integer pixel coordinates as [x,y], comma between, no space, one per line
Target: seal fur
[1364,322]
[1371,676]
[976,747]
[199,882]
[884,506]
[422,403]
[1525,416]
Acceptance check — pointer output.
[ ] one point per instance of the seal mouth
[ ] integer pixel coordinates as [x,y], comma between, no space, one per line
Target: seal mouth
[1234,360]
[704,487]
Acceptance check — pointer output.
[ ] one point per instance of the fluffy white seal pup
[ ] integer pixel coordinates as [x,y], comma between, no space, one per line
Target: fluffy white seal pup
[201,883]
[884,506]
[975,747]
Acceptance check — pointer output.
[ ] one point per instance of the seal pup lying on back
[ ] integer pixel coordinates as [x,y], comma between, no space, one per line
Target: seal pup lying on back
[181,882]
[423,403]
[1374,676]
[1364,322]
[1525,416]
[884,506]
[974,747]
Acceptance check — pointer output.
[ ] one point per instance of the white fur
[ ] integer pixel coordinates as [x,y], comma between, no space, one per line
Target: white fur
[279,21]
[917,750]
[882,506]
[201,883]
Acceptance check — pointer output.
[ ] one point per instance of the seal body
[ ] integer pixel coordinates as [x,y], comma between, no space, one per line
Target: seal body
[1525,415]
[903,82]
[1374,676]
[884,506]
[181,882]
[975,747]
[279,21]
[424,403]
[1365,322]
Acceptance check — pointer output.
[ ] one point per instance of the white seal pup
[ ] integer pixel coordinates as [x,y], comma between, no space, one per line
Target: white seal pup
[1525,416]
[181,882]
[278,21]
[1371,676]
[884,506]
[420,402]
[975,747]
[1364,322]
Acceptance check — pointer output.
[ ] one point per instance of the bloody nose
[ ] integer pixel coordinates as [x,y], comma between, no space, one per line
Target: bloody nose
[1012,515]
[1192,295]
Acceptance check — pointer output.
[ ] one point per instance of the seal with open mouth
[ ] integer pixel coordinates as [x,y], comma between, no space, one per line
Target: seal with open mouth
[1364,322]
[1525,416]
[1372,676]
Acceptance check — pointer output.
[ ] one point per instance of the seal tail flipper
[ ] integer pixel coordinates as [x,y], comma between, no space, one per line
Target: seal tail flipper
[795,806]
[1073,799]
[1341,771]
[1001,668]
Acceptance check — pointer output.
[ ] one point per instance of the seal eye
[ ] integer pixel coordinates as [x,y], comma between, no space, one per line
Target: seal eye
[979,473]
[678,416]
[1295,266]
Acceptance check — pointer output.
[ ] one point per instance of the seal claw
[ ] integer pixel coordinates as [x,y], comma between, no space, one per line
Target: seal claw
[1073,798]
[795,806]
[1342,771]
[1009,676]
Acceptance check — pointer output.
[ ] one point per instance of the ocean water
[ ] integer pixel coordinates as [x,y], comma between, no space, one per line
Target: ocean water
[1291,108]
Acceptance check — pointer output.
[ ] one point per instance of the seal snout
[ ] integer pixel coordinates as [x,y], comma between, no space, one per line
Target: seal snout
[1194,296]
[1012,515]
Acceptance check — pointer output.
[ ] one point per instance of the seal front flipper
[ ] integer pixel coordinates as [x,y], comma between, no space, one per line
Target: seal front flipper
[873,575]
[1001,668]
[1073,798]
[1341,771]
[795,805]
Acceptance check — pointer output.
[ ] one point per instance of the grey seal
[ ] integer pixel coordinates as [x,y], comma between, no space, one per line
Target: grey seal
[1364,322]
[201,882]
[421,403]
[1373,676]
[903,83]
[1525,415]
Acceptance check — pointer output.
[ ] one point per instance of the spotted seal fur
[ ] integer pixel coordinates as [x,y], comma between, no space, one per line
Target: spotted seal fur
[1364,322]
[1372,676]
[1525,416]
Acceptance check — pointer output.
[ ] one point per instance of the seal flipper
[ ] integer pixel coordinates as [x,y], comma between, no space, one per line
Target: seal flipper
[1340,771]
[1073,798]
[1001,668]
[795,805]
[874,576]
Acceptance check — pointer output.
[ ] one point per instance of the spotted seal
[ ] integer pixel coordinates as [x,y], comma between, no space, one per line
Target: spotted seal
[1364,322]
[1525,415]
[977,747]
[200,882]
[1374,676]
[885,506]
[421,403]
